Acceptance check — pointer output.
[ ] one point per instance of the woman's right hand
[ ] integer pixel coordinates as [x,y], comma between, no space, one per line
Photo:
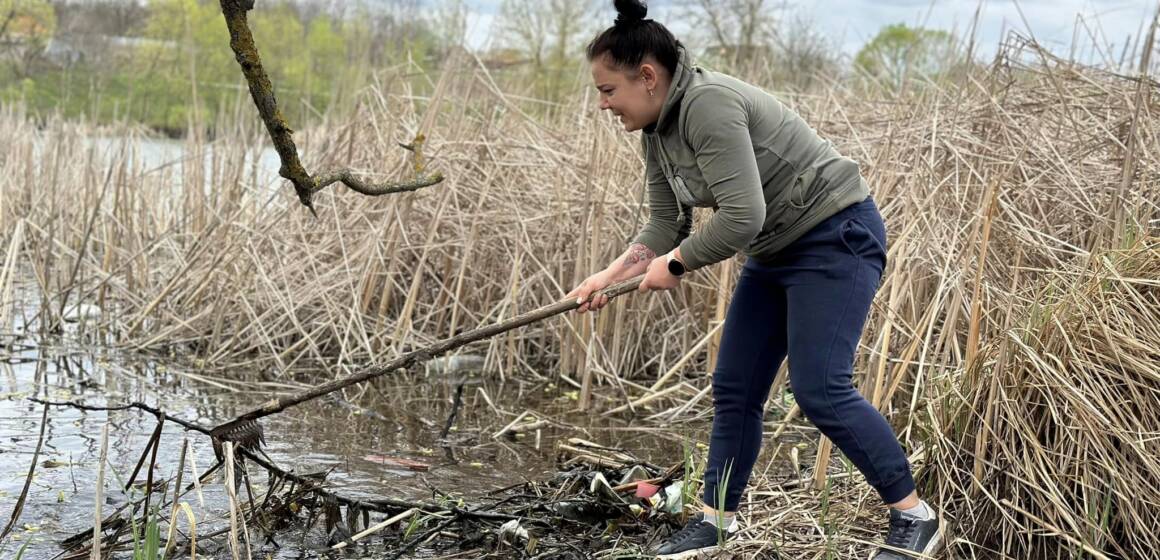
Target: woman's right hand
[590,285]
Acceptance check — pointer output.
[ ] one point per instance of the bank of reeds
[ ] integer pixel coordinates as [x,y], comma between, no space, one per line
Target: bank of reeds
[1014,341]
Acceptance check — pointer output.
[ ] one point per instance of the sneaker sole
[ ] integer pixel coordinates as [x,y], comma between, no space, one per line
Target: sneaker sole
[689,554]
[932,546]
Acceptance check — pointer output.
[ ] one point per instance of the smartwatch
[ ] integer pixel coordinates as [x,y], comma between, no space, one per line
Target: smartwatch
[676,267]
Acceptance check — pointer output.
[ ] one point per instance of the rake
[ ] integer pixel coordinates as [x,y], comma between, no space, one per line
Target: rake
[245,431]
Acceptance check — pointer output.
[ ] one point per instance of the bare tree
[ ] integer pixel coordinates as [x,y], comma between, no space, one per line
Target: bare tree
[736,32]
[25,27]
[549,35]
[547,31]
[395,25]
[804,55]
[448,21]
[116,18]
[762,39]
[524,27]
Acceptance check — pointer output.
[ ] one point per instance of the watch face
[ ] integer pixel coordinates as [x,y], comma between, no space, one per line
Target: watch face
[676,268]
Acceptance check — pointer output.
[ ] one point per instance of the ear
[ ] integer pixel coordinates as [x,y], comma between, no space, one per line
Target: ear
[648,74]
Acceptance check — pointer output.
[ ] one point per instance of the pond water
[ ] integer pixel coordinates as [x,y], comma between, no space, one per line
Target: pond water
[155,154]
[357,445]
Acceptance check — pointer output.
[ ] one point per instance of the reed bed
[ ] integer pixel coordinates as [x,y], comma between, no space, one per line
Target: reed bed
[1014,341]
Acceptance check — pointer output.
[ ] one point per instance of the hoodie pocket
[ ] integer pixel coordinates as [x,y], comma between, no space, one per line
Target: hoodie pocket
[808,187]
[795,201]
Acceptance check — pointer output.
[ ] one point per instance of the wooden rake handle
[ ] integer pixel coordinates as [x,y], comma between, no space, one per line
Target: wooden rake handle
[244,428]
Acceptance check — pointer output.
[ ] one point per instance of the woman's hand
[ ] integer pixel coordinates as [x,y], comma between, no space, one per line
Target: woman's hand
[592,284]
[633,262]
[658,276]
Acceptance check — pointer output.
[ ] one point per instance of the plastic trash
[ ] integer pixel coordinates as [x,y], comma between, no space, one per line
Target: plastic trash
[668,499]
[450,365]
[81,311]
[512,534]
[634,474]
[600,487]
[646,489]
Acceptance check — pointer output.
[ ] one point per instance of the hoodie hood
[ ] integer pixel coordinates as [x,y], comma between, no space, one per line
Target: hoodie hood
[681,79]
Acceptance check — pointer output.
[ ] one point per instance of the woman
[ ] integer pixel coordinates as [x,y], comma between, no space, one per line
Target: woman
[815,244]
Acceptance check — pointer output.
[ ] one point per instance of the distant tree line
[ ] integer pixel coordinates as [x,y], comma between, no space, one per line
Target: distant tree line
[167,63]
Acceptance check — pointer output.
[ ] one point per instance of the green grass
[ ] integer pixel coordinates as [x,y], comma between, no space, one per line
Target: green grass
[148,546]
[688,494]
[828,525]
[722,489]
[412,526]
[20,553]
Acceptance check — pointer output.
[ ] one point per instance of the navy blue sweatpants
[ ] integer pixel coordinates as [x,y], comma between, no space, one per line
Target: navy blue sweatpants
[809,301]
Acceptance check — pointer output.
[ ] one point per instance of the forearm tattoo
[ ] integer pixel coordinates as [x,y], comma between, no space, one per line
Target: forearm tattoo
[638,252]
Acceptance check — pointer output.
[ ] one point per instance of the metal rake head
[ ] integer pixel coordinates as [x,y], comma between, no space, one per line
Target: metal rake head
[246,434]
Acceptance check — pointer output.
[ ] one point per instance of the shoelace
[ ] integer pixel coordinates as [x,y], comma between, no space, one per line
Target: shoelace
[900,530]
[687,531]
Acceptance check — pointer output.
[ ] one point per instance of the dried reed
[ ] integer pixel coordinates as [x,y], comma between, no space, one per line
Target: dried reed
[1014,343]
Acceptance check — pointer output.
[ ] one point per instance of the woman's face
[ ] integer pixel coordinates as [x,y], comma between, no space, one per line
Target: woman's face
[627,95]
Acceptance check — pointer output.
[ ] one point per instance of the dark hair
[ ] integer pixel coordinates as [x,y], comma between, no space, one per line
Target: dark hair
[632,37]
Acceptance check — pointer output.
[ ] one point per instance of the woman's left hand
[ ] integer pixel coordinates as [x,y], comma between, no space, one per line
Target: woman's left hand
[658,276]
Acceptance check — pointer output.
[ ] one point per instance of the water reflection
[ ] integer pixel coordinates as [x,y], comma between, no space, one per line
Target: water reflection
[367,450]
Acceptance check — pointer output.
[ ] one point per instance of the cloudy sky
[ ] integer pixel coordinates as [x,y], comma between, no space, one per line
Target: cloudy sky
[851,23]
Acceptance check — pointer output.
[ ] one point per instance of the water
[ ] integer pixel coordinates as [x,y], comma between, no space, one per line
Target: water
[329,434]
[158,154]
[165,157]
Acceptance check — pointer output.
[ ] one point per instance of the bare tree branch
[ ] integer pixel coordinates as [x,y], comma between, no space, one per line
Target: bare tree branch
[262,91]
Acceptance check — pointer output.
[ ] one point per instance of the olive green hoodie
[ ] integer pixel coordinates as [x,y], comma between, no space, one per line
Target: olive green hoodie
[722,143]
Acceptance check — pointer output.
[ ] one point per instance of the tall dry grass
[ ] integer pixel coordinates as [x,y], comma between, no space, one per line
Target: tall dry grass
[1014,341]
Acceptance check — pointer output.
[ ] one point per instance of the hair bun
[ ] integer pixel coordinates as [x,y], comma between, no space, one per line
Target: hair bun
[629,12]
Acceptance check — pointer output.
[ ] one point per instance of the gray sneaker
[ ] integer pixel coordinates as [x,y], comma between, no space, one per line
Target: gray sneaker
[695,539]
[914,536]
